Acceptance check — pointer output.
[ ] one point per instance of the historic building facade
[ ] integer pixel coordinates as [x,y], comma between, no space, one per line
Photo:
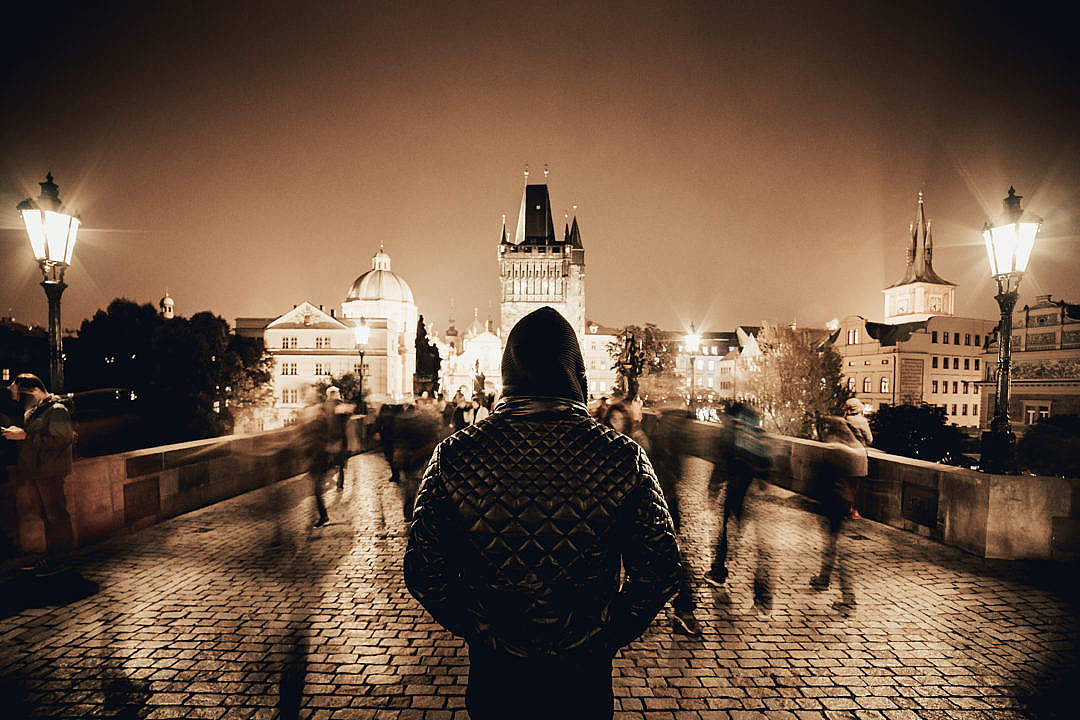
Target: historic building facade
[922,353]
[1045,377]
[309,344]
[539,266]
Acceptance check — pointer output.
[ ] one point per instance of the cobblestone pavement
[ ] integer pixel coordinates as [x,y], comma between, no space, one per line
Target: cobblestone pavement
[205,617]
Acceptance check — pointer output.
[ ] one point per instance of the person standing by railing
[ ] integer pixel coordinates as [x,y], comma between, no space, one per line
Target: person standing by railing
[44,460]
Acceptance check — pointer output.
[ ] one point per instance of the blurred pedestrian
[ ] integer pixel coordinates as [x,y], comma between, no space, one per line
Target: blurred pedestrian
[44,461]
[480,410]
[843,459]
[416,434]
[384,426]
[739,456]
[860,428]
[314,435]
[667,450]
[521,527]
[337,413]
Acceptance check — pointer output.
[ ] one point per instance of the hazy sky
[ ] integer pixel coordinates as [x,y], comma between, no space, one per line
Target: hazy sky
[732,163]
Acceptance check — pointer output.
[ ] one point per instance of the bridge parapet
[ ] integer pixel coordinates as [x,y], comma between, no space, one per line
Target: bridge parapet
[113,494]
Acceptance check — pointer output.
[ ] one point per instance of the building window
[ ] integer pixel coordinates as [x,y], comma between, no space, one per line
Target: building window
[956,363]
[976,363]
[288,343]
[953,409]
[933,387]
[358,368]
[851,384]
[853,337]
[956,338]
[6,374]
[288,368]
[967,363]
[290,395]
[885,361]
[322,368]
[967,338]
[956,390]
[965,387]
[867,384]
[977,338]
[884,384]
[975,410]
[933,362]
[933,336]
[1035,413]
[963,409]
[710,382]
[945,338]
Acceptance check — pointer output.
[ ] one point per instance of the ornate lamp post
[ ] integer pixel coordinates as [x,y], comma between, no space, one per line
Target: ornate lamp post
[693,344]
[1008,247]
[361,332]
[52,232]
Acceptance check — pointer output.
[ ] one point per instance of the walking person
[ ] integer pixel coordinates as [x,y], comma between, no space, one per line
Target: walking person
[860,428]
[314,435]
[44,461]
[521,526]
[740,456]
[416,434]
[337,442]
[667,450]
[844,459]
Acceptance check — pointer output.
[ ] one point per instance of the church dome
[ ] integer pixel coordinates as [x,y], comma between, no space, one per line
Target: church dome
[380,283]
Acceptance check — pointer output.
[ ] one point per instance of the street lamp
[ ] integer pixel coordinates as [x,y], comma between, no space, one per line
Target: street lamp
[361,333]
[1008,247]
[52,232]
[693,343]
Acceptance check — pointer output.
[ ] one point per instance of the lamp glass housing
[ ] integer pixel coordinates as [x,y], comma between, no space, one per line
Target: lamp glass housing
[1009,246]
[693,342]
[52,234]
[361,333]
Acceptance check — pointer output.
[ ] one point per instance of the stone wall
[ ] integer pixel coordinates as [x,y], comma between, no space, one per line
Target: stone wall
[993,516]
[118,493]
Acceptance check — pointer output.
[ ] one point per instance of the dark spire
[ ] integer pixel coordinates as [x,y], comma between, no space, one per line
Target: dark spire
[920,252]
[575,235]
[504,236]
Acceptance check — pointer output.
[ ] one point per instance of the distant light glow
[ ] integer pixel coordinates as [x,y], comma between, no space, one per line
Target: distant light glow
[361,333]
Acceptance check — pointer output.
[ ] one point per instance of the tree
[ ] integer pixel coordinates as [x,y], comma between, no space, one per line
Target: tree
[794,379]
[641,352]
[1052,447]
[348,384]
[191,376]
[917,431]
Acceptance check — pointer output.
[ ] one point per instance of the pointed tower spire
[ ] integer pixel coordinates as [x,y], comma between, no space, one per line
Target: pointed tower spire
[519,233]
[566,226]
[575,234]
[503,235]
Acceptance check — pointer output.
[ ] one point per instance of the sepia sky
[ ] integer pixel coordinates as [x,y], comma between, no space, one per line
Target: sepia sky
[731,162]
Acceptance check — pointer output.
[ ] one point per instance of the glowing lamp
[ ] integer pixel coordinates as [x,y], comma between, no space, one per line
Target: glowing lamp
[52,231]
[1010,242]
[693,341]
[361,333]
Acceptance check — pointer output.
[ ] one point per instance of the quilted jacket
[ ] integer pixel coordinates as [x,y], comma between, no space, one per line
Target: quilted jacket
[521,524]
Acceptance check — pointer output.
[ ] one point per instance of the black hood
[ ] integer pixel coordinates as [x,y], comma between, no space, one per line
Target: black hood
[543,358]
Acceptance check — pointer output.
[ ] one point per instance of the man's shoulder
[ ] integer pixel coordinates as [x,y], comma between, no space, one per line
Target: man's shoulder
[564,432]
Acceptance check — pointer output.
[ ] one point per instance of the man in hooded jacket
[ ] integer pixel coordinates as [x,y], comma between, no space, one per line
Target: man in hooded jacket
[520,527]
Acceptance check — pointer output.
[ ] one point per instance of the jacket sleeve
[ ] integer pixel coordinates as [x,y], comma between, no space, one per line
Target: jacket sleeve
[431,573]
[650,556]
[57,433]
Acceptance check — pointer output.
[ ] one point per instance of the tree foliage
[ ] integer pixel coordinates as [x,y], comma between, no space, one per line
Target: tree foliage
[794,381]
[1052,447]
[348,384]
[191,375]
[639,353]
[917,431]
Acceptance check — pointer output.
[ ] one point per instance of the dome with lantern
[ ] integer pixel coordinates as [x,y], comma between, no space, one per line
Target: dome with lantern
[380,283]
